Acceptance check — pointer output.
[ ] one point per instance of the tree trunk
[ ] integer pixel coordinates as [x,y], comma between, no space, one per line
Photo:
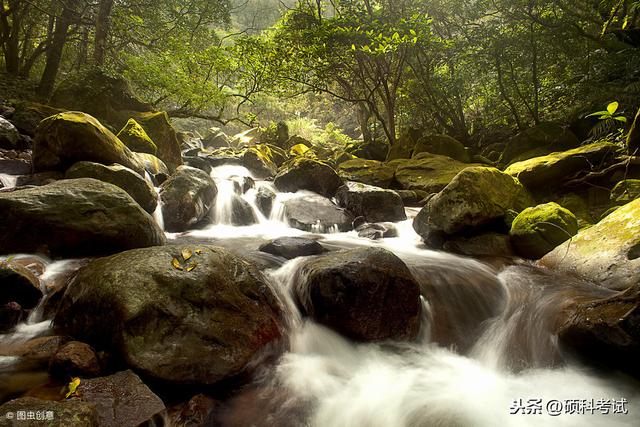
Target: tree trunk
[364,115]
[633,139]
[11,36]
[54,54]
[102,31]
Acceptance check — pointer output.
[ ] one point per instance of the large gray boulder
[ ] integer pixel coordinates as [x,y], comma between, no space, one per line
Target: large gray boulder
[317,213]
[74,218]
[187,197]
[375,204]
[308,174]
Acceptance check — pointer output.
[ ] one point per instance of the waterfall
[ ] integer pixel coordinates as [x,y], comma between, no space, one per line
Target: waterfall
[8,181]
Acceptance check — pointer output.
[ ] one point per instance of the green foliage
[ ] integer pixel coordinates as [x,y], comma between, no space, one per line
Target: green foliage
[610,120]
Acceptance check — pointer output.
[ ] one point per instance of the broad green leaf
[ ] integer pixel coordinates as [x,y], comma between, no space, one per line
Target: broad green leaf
[613,107]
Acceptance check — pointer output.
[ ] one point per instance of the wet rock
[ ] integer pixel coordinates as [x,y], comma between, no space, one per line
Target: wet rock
[10,315]
[308,174]
[247,183]
[412,198]
[39,179]
[187,197]
[536,231]
[9,135]
[74,359]
[194,413]
[375,204]
[198,163]
[316,213]
[67,138]
[607,253]
[50,413]
[159,129]
[259,161]
[131,182]
[349,292]
[153,166]
[264,200]
[242,212]
[371,172]
[35,354]
[216,139]
[443,145]
[476,197]
[18,284]
[15,166]
[74,218]
[206,321]
[292,247]
[625,191]
[120,400]
[190,142]
[136,139]
[427,172]
[376,231]
[487,244]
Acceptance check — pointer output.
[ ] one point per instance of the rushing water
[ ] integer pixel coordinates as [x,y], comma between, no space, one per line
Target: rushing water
[486,342]
[7,181]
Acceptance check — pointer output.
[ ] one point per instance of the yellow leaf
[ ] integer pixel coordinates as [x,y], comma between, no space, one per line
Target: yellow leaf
[199,251]
[186,254]
[192,266]
[176,264]
[73,387]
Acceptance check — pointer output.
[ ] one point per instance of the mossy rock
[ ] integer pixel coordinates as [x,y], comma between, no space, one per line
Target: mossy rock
[152,164]
[443,145]
[427,172]
[540,173]
[579,206]
[134,137]
[538,230]
[607,253]
[159,129]
[72,412]
[307,174]
[546,136]
[403,148]
[28,115]
[71,137]
[626,191]
[371,172]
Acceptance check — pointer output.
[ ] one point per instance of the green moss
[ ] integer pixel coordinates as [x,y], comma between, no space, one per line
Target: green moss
[626,191]
[427,172]
[134,136]
[538,230]
[370,172]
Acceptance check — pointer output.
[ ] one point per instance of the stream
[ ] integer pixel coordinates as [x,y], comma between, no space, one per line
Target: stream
[485,356]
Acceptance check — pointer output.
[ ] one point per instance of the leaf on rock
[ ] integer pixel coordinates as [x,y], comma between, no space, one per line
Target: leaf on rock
[176,264]
[199,251]
[192,266]
[186,254]
[73,387]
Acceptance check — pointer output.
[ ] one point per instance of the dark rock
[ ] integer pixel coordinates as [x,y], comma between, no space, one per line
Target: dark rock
[152,165]
[292,247]
[39,179]
[483,245]
[443,145]
[349,292]
[34,354]
[242,212]
[71,412]
[374,149]
[187,197]
[204,322]
[308,174]
[28,116]
[376,231]
[547,136]
[198,163]
[259,163]
[316,213]
[121,399]
[74,217]
[412,198]
[194,413]
[18,284]
[10,315]
[15,166]
[264,200]
[74,359]
[67,138]
[9,135]
[131,182]
[374,203]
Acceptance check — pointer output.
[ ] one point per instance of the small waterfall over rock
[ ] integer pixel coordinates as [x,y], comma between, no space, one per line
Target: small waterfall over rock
[7,181]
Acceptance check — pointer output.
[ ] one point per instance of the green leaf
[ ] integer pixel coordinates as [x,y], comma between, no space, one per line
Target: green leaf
[613,107]
[622,119]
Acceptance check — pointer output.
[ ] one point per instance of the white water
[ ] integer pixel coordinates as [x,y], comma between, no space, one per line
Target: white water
[8,181]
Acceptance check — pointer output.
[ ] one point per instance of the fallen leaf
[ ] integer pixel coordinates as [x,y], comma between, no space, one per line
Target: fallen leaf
[176,264]
[199,251]
[73,387]
[186,254]
[192,266]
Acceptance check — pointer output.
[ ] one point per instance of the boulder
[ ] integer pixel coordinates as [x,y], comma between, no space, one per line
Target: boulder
[39,179]
[152,165]
[131,182]
[377,231]
[71,137]
[403,147]
[74,359]
[264,200]
[443,145]
[316,213]
[375,204]
[121,399]
[308,174]
[349,291]
[74,218]
[625,191]
[547,136]
[50,413]
[136,139]
[482,245]
[198,163]
[292,247]
[216,139]
[18,284]
[540,172]
[186,198]
[371,172]
[427,172]
[28,116]
[374,149]
[607,253]
[35,353]
[190,142]
[478,196]
[604,330]
[9,135]
[578,205]
[10,315]
[180,314]
[412,198]
[538,230]
[159,129]
[242,212]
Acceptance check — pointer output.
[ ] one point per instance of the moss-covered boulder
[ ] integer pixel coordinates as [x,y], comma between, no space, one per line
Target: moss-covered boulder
[375,204]
[135,137]
[187,197]
[28,115]
[152,165]
[74,218]
[260,160]
[477,197]
[307,174]
[443,145]
[427,172]
[536,231]
[625,191]
[545,138]
[131,182]
[541,173]
[181,314]
[159,129]
[71,137]
[375,149]
[371,172]
[349,291]
[71,412]
[403,147]
[607,253]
